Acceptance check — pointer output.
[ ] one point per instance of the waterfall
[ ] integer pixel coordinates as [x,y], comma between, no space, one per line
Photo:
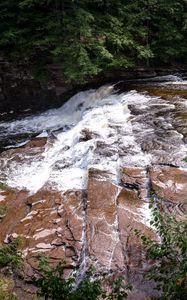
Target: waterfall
[100,129]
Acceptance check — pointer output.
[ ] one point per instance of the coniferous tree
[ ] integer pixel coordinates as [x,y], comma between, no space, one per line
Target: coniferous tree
[87,37]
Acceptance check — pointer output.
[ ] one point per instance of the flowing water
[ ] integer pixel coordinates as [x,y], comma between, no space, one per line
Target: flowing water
[103,129]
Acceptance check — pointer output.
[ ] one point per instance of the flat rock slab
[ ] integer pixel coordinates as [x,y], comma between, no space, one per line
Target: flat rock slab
[169,183]
[49,223]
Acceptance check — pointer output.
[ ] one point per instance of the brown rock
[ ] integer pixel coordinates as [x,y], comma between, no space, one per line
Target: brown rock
[132,214]
[102,231]
[36,142]
[169,183]
[37,220]
[136,178]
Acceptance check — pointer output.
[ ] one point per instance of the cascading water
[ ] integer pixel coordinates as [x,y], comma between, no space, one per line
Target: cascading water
[95,129]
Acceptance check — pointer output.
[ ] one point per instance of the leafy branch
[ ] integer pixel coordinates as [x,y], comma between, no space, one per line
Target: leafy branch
[169,252]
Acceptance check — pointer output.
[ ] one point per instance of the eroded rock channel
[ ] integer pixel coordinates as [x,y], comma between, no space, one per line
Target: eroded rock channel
[77,189]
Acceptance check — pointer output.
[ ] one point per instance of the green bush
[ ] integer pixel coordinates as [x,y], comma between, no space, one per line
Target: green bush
[53,285]
[10,256]
[169,253]
[3,185]
[3,210]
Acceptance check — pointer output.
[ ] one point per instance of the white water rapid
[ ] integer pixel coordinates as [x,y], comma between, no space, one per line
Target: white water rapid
[95,129]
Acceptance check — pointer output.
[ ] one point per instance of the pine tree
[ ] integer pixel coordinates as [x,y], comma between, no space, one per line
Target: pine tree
[88,37]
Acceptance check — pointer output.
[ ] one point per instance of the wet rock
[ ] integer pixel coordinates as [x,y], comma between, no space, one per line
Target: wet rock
[46,227]
[102,232]
[36,142]
[112,211]
[16,211]
[132,213]
[96,227]
[169,183]
[136,179]
[112,214]
[87,135]
[57,242]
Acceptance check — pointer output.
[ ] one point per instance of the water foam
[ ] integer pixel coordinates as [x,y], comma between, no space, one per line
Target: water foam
[98,121]
[94,129]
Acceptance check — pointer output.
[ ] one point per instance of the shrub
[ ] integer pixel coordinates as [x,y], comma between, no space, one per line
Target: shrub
[3,185]
[53,285]
[10,256]
[51,282]
[88,289]
[3,210]
[169,253]
[118,289]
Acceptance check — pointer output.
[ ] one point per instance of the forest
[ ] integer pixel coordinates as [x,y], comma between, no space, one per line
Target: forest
[86,37]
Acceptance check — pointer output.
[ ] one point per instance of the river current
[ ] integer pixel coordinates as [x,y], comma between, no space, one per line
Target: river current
[102,129]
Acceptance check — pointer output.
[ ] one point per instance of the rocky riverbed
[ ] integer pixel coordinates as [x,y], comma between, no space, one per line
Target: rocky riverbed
[77,179]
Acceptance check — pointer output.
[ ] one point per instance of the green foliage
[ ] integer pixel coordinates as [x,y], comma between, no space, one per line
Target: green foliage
[170,254]
[87,37]
[6,289]
[119,289]
[53,285]
[88,289]
[3,210]
[10,256]
[51,282]
[3,186]
[11,260]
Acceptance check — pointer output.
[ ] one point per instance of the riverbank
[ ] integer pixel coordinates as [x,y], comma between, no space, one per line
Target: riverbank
[22,94]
